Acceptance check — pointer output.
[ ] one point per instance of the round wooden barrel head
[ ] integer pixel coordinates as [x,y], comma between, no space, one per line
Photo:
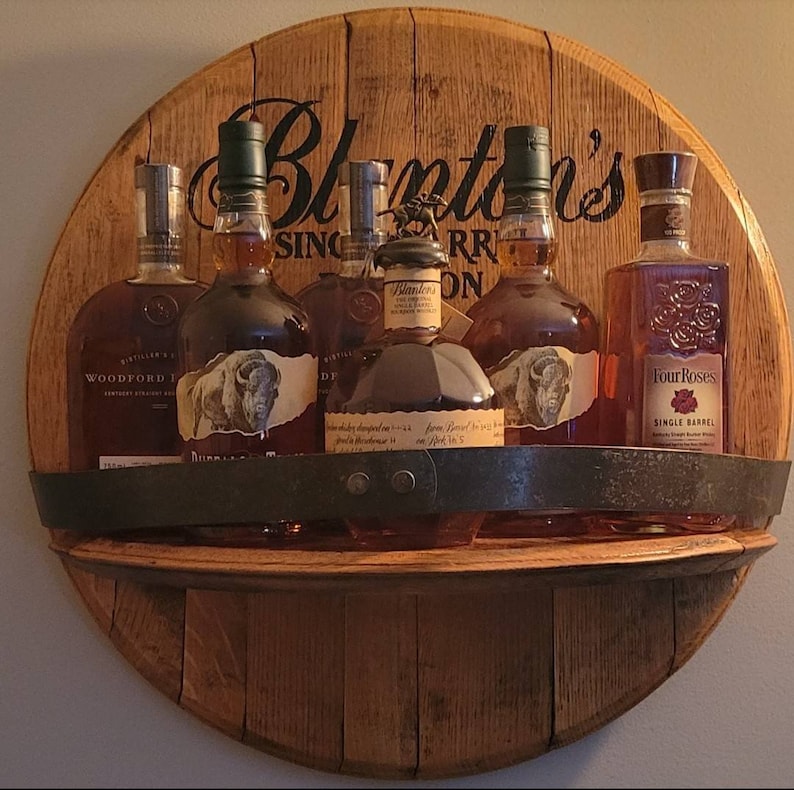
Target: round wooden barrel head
[427,680]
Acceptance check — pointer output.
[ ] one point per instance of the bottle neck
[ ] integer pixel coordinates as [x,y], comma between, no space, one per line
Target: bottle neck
[412,299]
[357,251]
[665,224]
[526,243]
[242,237]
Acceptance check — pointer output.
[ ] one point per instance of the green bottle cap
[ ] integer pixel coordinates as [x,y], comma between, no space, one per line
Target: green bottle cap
[241,156]
[527,163]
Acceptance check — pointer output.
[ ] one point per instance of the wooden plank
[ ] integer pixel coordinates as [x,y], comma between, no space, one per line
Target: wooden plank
[184,131]
[213,676]
[484,666]
[98,593]
[486,565]
[602,118]
[311,141]
[148,625]
[295,677]
[485,77]
[613,645]
[380,733]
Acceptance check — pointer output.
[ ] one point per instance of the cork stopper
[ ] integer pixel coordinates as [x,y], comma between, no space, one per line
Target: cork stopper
[241,156]
[665,170]
[527,163]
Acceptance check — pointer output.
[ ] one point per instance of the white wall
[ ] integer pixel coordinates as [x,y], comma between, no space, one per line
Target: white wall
[74,74]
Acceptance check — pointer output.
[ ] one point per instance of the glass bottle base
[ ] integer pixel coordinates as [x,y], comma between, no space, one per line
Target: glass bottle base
[536,524]
[410,533]
[664,523]
[271,535]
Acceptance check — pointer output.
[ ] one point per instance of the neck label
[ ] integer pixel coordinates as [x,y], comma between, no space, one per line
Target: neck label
[412,298]
[664,221]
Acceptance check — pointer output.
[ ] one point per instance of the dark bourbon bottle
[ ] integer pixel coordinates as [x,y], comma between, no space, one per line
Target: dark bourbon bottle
[412,389]
[248,383]
[664,379]
[346,308]
[122,346]
[536,340]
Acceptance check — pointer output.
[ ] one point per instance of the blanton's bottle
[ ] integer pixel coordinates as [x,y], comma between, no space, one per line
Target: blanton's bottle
[412,389]
[664,379]
[248,384]
[121,348]
[536,340]
[345,309]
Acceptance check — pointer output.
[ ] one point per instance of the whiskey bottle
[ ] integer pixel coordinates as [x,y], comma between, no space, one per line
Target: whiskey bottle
[122,346]
[412,389]
[346,308]
[248,379]
[664,379]
[536,340]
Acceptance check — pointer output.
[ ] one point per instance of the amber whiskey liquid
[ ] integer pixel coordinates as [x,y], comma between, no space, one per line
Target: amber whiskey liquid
[537,341]
[664,381]
[248,378]
[122,345]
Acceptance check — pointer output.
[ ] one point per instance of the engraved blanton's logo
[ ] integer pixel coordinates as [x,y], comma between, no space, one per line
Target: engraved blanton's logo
[470,187]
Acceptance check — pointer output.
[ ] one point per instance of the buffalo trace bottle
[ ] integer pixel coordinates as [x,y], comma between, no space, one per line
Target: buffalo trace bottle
[122,347]
[248,384]
[537,342]
[412,389]
[664,379]
[346,308]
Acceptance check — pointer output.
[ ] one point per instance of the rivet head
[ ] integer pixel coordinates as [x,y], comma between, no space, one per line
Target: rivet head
[403,481]
[358,483]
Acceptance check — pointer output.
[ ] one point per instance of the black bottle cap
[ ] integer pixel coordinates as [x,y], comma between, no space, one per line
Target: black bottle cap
[665,170]
[419,252]
[527,163]
[241,155]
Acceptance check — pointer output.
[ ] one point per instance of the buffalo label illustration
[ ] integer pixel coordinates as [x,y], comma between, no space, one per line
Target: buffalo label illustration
[543,387]
[248,392]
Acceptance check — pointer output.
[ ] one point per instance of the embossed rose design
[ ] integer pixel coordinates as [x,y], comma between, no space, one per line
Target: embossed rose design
[685,293]
[684,336]
[675,218]
[684,402]
[706,317]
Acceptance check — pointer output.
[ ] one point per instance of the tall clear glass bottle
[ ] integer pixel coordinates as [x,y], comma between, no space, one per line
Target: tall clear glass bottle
[121,350]
[410,389]
[346,308]
[664,379]
[248,383]
[536,340]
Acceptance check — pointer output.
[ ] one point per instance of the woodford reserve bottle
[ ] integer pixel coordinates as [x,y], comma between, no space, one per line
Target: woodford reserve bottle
[537,342]
[412,389]
[664,376]
[122,349]
[248,384]
[346,308]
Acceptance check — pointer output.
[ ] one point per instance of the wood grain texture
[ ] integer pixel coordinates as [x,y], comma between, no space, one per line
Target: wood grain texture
[487,565]
[296,675]
[148,625]
[380,731]
[484,668]
[215,657]
[417,664]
